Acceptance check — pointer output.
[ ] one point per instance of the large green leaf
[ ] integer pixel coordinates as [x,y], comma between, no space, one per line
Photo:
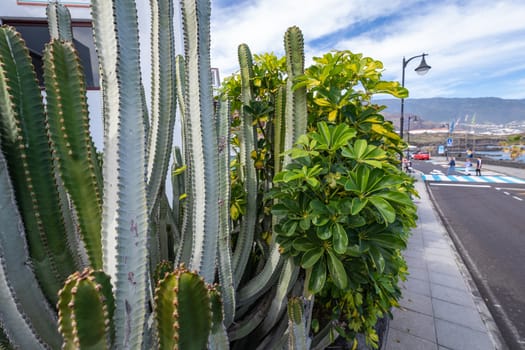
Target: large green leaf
[377,258]
[384,208]
[331,137]
[387,240]
[317,276]
[357,205]
[337,270]
[340,238]
[311,257]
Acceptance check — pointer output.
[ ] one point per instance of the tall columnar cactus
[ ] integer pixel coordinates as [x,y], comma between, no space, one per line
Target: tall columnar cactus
[26,317]
[73,148]
[248,144]
[62,211]
[25,144]
[125,211]
[296,114]
[163,95]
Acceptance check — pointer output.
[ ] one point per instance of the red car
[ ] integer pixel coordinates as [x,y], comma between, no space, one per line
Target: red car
[421,156]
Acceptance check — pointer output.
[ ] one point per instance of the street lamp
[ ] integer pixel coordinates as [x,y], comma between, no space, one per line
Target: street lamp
[422,69]
[414,118]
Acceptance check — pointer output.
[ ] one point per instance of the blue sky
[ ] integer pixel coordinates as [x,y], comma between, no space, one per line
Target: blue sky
[476,48]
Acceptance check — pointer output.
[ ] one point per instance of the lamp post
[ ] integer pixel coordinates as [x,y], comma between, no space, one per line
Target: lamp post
[414,118]
[422,69]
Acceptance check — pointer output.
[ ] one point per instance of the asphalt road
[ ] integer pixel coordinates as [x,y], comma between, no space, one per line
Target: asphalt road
[488,220]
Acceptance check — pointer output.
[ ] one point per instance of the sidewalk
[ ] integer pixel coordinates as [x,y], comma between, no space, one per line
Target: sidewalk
[441,308]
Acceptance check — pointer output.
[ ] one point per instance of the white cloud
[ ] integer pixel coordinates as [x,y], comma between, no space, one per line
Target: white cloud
[465,40]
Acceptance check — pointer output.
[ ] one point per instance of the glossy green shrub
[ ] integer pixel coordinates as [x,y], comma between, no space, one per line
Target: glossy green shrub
[344,207]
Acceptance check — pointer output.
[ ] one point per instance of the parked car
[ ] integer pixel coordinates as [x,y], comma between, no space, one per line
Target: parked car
[421,156]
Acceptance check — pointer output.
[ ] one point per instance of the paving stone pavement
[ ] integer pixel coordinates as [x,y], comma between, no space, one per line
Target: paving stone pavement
[441,308]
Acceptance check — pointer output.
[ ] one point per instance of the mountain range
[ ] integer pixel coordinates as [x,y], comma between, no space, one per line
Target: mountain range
[491,110]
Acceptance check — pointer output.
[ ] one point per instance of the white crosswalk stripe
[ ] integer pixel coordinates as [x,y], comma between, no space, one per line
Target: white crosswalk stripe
[475,179]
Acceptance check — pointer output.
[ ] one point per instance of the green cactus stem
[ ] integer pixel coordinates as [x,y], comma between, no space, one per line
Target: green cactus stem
[247,231]
[218,339]
[25,314]
[182,311]
[296,114]
[162,268]
[224,242]
[297,333]
[68,121]
[85,310]
[261,283]
[279,130]
[178,178]
[287,279]
[25,145]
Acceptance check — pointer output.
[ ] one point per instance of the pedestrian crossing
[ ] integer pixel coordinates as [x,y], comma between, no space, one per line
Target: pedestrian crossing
[498,179]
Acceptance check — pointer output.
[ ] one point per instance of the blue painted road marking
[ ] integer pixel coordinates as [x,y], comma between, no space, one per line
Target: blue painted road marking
[471,178]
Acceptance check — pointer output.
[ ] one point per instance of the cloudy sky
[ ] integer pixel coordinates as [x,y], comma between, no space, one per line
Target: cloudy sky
[476,47]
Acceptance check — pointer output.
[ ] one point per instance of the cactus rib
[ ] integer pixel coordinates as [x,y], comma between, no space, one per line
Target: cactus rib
[297,336]
[125,212]
[224,243]
[25,314]
[183,311]
[59,21]
[203,145]
[247,232]
[163,97]
[25,146]
[68,122]
[85,309]
[264,280]
[186,209]
[296,113]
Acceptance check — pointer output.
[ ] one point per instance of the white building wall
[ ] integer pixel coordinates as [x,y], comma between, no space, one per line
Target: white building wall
[80,11]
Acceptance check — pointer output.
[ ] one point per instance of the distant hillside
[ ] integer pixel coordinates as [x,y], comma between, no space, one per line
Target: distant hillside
[487,110]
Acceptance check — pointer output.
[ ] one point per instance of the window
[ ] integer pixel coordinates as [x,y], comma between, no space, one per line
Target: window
[36,35]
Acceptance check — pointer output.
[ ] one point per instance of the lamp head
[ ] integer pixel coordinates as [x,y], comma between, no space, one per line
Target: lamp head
[423,67]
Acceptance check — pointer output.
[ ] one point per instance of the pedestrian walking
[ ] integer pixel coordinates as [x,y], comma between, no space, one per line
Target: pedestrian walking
[468,164]
[478,166]
[407,165]
[451,165]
